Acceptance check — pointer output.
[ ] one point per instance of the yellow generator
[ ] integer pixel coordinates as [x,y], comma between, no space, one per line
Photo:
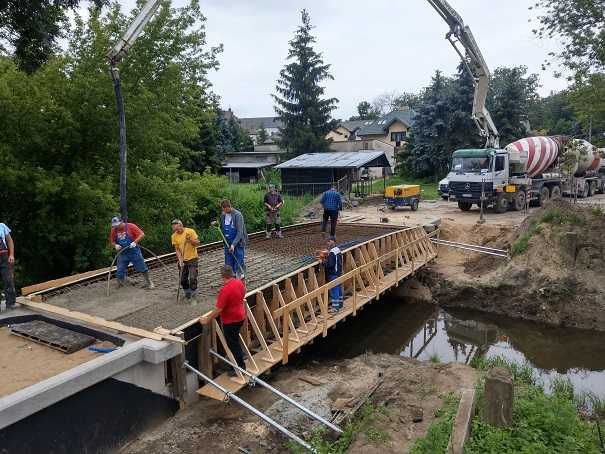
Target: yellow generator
[403,195]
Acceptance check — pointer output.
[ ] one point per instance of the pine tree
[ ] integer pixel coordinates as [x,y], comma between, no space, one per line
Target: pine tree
[261,136]
[300,105]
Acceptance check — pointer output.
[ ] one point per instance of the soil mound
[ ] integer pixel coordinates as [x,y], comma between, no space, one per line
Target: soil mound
[555,275]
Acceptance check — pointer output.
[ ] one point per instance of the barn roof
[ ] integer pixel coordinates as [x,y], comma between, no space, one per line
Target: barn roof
[337,160]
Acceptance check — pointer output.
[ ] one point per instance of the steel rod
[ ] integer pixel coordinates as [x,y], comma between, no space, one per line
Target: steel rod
[279,393]
[471,245]
[472,249]
[246,405]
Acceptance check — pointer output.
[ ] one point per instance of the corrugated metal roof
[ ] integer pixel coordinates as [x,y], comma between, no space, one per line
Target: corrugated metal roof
[352,159]
[247,165]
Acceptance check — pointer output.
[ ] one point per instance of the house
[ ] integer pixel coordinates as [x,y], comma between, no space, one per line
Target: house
[254,124]
[345,131]
[391,128]
[366,145]
[314,173]
[248,167]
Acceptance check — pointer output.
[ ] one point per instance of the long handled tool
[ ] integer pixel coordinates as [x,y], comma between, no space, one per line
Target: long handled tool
[227,245]
[118,254]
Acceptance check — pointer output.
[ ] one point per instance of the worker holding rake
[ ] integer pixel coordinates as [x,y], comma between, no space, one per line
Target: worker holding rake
[185,242]
[234,235]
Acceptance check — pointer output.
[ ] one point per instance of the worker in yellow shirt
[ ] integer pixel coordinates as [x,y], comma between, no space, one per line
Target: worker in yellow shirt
[185,242]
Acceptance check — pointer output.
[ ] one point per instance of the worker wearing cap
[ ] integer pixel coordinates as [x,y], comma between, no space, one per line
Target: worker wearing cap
[230,307]
[236,238]
[7,261]
[332,204]
[333,267]
[273,202]
[125,237]
[185,242]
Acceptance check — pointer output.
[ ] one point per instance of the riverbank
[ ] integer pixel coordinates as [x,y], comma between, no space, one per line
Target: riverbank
[554,275]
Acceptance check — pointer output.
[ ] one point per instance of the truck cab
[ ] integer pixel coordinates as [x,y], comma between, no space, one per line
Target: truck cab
[477,171]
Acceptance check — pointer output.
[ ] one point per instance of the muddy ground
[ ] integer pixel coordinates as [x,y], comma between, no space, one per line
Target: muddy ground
[404,390]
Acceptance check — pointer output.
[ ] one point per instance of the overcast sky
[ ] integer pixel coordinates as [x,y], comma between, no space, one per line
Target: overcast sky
[373,46]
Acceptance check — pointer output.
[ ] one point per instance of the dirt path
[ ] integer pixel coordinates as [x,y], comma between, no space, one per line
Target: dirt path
[406,389]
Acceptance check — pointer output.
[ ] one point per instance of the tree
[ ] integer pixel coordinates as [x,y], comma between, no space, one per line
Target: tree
[586,99]
[428,152]
[30,28]
[365,112]
[553,115]
[512,91]
[580,27]
[262,136]
[300,102]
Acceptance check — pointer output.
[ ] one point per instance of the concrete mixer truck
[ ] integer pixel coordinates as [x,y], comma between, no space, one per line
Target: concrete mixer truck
[532,170]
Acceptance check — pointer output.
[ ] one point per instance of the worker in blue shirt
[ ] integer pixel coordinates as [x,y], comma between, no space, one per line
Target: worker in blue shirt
[332,204]
[333,267]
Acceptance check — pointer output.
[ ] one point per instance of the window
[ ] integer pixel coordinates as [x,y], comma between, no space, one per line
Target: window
[398,136]
[499,166]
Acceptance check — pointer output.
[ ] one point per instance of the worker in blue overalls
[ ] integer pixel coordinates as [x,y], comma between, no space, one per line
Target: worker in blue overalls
[236,238]
[125,236]
[333,267]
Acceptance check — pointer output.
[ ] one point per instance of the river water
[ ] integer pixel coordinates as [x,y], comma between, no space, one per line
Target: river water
[426,332]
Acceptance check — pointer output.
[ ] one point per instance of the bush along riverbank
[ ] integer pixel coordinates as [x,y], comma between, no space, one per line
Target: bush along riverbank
[543,422]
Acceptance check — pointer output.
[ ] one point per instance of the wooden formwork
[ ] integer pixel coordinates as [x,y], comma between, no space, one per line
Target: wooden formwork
[290,312]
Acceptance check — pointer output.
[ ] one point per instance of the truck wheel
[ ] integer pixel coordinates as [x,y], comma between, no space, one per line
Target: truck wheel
[585,191]
[519,201]
[464,206]
[414,205]
[501,204]
[555,192]
[544,195]
[592,188]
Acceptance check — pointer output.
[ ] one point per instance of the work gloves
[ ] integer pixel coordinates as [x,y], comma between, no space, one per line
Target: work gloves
[132,245]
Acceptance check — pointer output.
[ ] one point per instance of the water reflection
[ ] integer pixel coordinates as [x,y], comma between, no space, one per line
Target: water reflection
[552,352]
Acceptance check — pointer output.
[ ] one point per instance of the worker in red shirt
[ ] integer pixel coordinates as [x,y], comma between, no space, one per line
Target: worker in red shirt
[125,237]
[230,307]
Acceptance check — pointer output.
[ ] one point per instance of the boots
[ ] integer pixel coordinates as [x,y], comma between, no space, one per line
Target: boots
[124,282]
[268,235]
[148,284]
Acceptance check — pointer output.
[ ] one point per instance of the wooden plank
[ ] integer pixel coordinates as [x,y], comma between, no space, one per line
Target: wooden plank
[98,321]
[204,359]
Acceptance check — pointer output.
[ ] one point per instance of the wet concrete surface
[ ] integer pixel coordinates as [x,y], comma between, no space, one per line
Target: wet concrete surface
[266,260]
[426,332]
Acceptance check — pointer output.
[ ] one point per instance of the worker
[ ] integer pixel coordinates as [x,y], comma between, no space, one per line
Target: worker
[230,307]
[333,267]
[126,236]
[185,242]
[236,238]
[7,261]
[273,203]
[332,204]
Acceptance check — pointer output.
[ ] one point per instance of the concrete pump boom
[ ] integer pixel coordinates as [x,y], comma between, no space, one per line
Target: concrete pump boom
[115,56]
[460,36]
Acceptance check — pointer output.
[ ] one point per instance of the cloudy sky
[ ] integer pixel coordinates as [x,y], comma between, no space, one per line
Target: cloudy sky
[373,46]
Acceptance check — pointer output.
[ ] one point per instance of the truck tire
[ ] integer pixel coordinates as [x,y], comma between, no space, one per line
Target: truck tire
[544,196]
[414,205]
[464,206]
[603,186]
[555,192]
[592,188]
[501,204]
[519,201]
[585,191]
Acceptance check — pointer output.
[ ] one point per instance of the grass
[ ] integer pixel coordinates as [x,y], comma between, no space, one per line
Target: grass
[434,358]
[542,423]
[428,185]
[438,435]
[361,423]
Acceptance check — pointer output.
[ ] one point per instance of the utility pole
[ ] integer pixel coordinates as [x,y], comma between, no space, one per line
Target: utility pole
[115,56]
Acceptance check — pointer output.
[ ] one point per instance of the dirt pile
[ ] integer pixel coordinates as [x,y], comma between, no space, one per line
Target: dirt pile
[555,275]
[397,396]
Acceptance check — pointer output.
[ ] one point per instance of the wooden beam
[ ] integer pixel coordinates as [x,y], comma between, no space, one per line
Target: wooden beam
[98,321]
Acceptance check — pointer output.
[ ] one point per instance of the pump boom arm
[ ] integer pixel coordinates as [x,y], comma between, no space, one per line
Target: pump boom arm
[461,38]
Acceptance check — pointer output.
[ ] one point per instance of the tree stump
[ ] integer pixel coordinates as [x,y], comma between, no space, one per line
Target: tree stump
[498,397]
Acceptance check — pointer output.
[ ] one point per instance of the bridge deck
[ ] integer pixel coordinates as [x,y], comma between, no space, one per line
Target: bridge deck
[290,312]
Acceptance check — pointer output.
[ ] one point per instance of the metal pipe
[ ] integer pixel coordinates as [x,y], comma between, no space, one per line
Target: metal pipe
[279,393]
[243,403]
[471,245]
[472,249]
